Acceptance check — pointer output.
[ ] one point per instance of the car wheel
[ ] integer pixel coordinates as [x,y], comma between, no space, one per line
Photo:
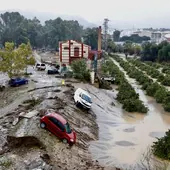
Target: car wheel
[65,141]
[71,144]
[74,101]
[42,125]
[77,104]
[87,109]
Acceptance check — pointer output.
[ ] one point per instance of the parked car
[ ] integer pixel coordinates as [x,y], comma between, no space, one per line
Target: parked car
[56,124]
[82,97]
[53,71]
[40,66]
[17,81]
[108,78]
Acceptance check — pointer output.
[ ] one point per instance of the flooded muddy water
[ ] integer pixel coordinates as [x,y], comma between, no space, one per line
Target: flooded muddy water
[11,97]
[124,137]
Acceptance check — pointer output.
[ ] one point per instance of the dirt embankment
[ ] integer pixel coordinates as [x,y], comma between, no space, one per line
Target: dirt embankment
[24,145]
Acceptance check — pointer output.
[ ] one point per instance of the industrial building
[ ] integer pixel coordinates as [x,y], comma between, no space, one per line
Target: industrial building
[71,50]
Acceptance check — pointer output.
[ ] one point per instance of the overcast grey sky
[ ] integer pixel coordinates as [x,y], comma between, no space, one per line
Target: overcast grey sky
[96,10]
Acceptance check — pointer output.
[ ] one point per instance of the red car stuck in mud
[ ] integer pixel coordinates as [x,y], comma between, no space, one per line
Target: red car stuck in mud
[56,124]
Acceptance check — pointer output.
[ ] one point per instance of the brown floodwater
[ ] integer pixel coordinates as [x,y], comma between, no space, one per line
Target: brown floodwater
[125,137]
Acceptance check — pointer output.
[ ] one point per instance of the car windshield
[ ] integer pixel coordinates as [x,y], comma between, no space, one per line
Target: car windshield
[87,98]
[42,64]
[67,127]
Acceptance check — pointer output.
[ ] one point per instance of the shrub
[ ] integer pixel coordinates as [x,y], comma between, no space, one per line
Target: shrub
[151,90]
[161,78]
[166,103]
[126,95]
[134,105]
[145,85]
[161,148]
[160,94]
[80,71]
[166,81]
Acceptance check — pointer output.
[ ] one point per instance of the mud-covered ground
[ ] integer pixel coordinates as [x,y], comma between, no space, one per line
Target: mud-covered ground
[24,145]
[48,57]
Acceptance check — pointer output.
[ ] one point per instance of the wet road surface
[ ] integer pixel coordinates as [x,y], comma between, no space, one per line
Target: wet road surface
[38,79]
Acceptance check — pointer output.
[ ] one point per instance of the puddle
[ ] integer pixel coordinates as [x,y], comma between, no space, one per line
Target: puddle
[157,134]
[124,143]
[132,129]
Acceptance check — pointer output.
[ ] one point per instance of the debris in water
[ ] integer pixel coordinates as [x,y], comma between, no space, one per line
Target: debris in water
[157,134]
[29,114]
[124,143]
[129,129]
[16,120]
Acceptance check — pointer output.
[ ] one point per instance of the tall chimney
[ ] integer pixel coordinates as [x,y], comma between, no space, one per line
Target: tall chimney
[99,38]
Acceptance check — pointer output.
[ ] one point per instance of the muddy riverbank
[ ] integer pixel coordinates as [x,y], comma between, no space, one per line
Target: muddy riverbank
[124,138]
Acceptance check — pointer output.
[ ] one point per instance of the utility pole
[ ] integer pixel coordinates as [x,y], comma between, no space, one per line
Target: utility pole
[105,32]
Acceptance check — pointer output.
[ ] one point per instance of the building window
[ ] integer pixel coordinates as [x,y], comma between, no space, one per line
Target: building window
[84,51]
[76,52]
[66,48]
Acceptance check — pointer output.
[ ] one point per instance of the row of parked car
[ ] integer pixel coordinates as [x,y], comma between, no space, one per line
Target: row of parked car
[52,70]
[57,125]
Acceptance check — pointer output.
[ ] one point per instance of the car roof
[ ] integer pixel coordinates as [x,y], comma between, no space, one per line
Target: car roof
[83,91]
[58,117]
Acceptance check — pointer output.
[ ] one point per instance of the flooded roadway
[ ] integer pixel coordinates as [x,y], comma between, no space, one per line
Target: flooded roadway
[125,137]
[15,96]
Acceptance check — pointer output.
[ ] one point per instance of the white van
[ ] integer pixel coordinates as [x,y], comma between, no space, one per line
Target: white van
[40,66]
[82,97]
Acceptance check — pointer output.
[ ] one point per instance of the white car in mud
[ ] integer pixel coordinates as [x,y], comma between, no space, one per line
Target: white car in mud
[82,97]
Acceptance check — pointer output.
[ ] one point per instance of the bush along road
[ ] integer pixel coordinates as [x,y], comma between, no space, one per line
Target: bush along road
[126,95]
[152,72]
[153,89]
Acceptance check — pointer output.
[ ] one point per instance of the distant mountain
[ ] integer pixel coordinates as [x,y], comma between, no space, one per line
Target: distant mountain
[157,22]
[43,16]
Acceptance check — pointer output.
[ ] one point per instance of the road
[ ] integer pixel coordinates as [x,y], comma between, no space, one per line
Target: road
[14,97]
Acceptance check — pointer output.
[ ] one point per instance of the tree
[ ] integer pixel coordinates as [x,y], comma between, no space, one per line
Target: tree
[25,51]
[91,37]
[116,35]
[18,29]
[164,53]
[80,71]
[128,48]
[12,28]
[14,61]
[150,52]
[161,147]
[135,38]
[137,49]
[111,46]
